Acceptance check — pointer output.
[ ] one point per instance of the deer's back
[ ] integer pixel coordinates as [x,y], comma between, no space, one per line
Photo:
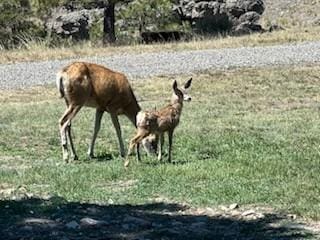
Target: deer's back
[93,85]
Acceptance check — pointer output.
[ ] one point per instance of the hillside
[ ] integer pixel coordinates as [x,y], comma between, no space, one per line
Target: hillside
[292,12]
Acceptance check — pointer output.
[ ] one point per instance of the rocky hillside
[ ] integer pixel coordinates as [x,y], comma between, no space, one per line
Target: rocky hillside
[292,12]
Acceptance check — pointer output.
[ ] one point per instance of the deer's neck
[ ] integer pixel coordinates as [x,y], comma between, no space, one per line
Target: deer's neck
[177,104]
[132,110]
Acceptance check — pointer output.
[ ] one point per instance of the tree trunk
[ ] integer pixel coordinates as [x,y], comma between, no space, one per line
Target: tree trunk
[109,35]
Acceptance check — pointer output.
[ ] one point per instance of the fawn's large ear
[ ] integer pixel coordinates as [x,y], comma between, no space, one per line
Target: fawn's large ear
[188,84]
[175,85]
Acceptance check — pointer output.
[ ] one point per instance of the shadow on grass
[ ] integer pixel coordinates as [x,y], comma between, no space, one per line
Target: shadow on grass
[103,157]
[58,219]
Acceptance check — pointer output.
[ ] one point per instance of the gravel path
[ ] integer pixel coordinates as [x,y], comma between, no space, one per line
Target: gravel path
[23,75]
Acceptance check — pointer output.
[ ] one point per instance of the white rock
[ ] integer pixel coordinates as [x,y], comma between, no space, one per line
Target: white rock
[248,212]
[234,206]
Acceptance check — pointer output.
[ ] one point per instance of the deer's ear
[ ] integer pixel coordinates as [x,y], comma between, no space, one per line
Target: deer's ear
[175,85]
[188,84]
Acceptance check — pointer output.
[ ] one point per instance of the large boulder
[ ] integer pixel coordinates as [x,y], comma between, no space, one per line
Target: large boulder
[233,16]
[71,21]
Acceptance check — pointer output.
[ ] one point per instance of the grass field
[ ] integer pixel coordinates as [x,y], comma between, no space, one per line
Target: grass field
[249,136]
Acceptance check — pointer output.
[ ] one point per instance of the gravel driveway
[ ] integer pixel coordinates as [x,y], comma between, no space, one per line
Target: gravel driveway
[23,75]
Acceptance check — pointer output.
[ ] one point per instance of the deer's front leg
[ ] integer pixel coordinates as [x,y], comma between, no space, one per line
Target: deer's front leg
[170,136]
[116,125]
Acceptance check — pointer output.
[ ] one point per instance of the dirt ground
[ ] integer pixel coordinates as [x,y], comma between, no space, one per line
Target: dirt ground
[55,218]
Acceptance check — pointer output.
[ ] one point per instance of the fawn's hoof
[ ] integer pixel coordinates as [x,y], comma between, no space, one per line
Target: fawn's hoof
[126,163]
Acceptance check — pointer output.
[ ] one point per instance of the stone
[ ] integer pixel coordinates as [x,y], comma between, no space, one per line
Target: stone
[90,222]
[222,16]
[72,22]
[39,221]
[233,206]
[72,225]
[248,212]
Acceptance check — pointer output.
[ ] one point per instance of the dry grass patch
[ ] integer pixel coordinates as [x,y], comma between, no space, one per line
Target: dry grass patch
[34,94]
[37,52]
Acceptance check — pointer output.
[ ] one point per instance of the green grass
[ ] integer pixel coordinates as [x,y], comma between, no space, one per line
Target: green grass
[249,136]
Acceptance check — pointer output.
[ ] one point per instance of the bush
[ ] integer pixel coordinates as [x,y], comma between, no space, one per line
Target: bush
[147,15]
[17,24]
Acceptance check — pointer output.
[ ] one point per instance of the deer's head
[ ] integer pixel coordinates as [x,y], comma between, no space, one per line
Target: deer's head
[181,94]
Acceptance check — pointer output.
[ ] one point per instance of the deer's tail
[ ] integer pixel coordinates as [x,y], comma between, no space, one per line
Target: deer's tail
[59,82]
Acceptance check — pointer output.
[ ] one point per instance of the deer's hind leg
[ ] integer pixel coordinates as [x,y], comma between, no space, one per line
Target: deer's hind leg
[65,126]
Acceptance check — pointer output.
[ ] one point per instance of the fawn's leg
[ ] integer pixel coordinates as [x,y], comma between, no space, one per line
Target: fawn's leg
[135,141]
[161,141]
[170,136]
[138,151]
[97,125]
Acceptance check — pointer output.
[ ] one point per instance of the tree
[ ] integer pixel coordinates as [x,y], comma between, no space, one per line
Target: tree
[109,35]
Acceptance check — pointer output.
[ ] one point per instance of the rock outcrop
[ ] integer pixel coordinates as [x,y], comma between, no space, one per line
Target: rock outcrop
[71,21]
[234,16]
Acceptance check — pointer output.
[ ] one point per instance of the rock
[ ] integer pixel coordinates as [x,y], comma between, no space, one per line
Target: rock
[246,28]
[275,27]
[292,216]
[248,212]
[223,15]
[72,22]
[40,221]
[72,225]
[90,222]
[234,206]
[224,208]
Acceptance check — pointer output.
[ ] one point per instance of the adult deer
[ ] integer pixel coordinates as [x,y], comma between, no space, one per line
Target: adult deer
[91,85]
[160,121]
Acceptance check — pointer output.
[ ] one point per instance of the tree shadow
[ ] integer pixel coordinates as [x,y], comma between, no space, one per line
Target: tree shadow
[56,218]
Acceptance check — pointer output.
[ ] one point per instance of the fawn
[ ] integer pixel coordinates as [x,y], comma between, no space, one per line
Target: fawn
[158,122]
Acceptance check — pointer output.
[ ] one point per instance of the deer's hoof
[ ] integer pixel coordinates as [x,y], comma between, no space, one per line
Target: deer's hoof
[66,157]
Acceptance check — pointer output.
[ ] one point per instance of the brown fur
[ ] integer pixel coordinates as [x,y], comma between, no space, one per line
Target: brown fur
[160,121]
[87,84]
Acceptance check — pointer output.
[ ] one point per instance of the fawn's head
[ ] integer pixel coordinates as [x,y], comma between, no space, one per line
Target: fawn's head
[181,94]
